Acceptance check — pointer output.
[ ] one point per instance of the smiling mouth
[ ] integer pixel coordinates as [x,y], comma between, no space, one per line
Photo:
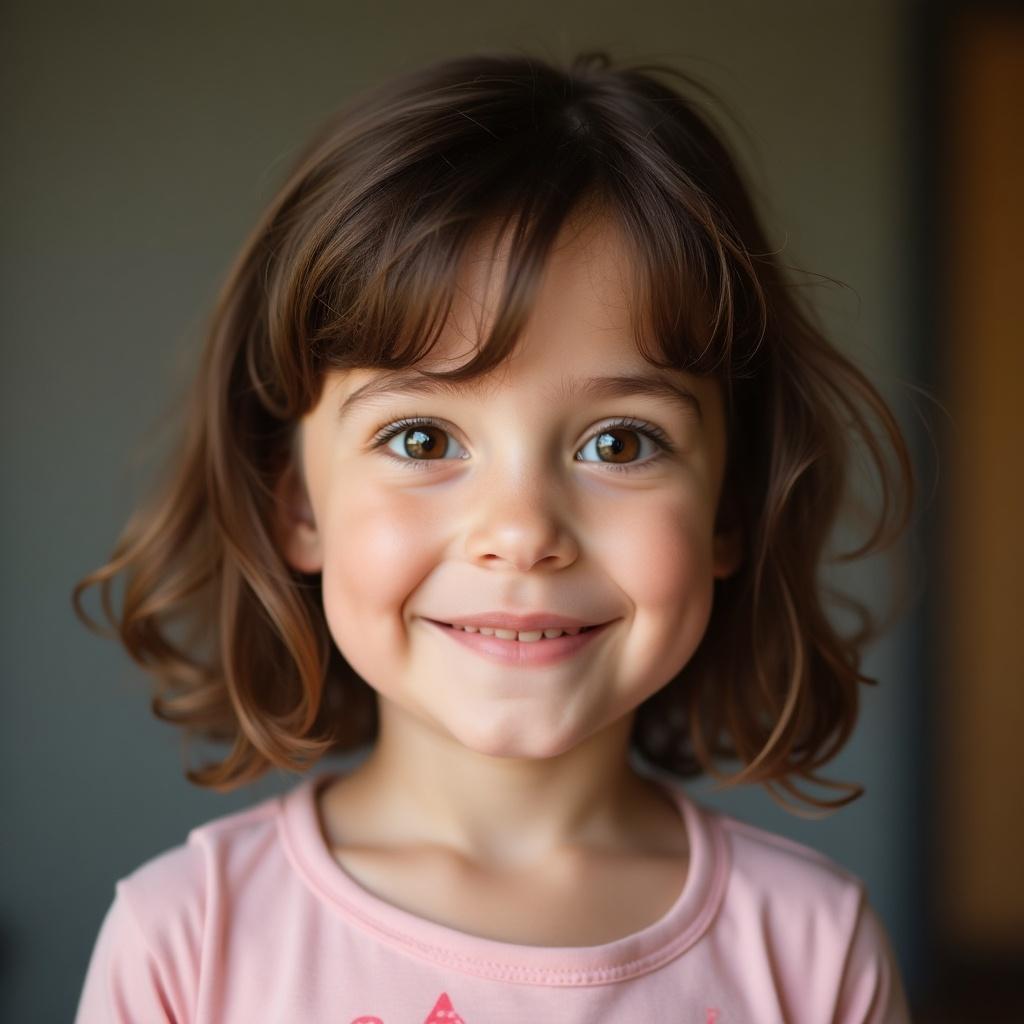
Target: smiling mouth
[523,636]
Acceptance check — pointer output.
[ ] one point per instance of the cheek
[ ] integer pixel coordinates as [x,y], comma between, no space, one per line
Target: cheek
[661,555]
[375,554]
[662,562]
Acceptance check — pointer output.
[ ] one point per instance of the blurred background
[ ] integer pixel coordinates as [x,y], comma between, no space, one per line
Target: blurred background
[883,141]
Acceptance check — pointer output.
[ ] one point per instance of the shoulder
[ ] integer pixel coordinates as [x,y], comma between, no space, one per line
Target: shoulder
[186,869]
[799,900]
[169,895]
[770,868]
[809,921]
[164,917]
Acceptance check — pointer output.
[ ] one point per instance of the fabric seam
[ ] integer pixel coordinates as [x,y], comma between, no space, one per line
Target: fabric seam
[137,926]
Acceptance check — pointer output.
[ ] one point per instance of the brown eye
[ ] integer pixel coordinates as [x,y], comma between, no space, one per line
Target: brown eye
[415,442]
[619,445]
[424,442]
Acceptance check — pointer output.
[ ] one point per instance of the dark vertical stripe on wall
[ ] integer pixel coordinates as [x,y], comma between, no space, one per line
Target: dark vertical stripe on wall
[928,347]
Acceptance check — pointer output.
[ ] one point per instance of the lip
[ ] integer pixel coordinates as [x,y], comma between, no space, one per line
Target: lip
[516,652]
[520,623]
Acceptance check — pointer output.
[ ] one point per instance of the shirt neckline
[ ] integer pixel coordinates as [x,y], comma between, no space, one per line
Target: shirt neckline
[631,955]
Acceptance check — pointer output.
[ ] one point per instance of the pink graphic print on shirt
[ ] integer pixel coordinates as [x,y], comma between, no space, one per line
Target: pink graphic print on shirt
[442,1013]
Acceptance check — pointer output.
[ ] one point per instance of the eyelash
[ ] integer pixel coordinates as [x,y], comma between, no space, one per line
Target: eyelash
[649,430]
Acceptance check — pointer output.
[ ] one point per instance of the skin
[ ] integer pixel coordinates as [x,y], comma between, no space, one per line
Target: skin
[490,784]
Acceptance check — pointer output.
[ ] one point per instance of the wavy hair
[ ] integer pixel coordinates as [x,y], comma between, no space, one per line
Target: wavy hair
[353,264]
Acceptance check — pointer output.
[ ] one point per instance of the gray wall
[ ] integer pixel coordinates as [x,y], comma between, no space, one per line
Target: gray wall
[139,149]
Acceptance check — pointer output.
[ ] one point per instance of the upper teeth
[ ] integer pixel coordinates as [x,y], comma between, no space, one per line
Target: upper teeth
[528,636]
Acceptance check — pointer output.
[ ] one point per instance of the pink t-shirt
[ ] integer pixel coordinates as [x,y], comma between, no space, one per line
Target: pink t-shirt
[253,920]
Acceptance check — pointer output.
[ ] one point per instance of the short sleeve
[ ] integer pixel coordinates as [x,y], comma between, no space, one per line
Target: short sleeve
[872,990]
[126,982]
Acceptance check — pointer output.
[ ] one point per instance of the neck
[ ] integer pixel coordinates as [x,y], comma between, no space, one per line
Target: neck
[423,788]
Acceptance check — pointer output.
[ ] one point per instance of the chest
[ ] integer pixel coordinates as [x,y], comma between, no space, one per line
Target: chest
[586,903]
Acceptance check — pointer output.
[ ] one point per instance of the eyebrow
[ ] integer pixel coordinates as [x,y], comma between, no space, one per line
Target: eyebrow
[411,382]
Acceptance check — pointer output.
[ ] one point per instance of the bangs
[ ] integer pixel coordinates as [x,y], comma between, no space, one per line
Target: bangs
[387,206]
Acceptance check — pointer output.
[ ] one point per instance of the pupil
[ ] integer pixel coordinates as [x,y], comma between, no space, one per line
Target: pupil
[420,442]
[610,444]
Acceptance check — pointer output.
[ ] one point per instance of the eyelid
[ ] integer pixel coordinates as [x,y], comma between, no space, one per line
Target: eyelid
[393,428]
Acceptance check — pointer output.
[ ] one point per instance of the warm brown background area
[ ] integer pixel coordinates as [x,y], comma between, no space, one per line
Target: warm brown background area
[982,905]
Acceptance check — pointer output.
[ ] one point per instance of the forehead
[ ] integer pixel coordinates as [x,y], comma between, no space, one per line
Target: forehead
[576,311]
[586,284]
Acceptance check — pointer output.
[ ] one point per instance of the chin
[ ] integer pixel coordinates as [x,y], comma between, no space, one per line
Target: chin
[518,745]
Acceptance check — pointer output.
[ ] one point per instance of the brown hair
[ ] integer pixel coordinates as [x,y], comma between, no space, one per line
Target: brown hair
[353,265]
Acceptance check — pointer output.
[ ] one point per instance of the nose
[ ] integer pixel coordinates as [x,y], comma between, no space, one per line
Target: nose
[520,520]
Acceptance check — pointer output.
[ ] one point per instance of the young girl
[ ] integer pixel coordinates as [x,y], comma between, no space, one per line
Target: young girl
[512,458]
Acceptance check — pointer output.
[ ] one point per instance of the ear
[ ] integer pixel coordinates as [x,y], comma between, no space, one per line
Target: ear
[295,530]
[727,544]
[727,551]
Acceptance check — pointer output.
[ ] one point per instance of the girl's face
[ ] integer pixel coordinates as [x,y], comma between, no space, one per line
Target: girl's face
[516,498]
